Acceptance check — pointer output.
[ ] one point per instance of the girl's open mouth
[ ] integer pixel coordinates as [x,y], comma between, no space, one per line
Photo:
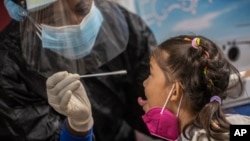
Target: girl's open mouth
[141,101]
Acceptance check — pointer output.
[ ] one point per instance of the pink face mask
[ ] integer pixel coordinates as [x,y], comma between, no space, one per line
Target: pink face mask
[161,122]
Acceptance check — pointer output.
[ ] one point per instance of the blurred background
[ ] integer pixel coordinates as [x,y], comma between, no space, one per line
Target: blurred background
[4,17]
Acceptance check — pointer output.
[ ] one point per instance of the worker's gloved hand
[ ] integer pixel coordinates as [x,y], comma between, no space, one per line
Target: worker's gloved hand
[67,96]
[15,11]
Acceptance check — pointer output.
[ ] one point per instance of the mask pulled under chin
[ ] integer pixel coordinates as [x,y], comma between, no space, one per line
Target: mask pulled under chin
[165,125]
[161,122]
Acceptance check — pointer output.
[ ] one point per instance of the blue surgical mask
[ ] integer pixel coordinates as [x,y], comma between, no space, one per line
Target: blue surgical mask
[73,41]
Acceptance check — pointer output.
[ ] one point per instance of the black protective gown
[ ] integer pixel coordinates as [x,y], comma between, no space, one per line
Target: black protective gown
[25,114]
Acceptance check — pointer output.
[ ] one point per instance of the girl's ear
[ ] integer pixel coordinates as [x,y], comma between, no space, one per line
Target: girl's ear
[177,93]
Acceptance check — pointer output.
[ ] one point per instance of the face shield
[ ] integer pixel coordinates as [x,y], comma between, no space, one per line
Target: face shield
[74,35]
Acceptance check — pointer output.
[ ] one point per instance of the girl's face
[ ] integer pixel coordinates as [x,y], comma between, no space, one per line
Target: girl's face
[156,88]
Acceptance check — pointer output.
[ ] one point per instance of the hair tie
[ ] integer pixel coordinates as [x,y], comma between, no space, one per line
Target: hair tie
[196,43]
[211,81]
[187,39]
[207,54]
[205,70]
[215,98]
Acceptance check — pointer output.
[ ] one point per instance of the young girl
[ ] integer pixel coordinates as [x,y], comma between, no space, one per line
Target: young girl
[189,80]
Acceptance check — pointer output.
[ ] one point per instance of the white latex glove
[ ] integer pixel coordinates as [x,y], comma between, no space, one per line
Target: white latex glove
[67,96]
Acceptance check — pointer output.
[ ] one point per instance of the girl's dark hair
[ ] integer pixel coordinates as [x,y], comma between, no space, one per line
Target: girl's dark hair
[186,64]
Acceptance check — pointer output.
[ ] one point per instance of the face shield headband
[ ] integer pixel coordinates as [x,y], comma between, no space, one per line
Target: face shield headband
[33,5]
[18,10]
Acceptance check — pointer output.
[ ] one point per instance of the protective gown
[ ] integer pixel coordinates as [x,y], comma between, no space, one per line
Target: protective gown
[24,68]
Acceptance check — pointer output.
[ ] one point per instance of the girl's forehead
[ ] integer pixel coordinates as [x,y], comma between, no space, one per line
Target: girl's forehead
[154,65]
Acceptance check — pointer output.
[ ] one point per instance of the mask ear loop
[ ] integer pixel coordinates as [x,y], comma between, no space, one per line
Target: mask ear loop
[165,104]
[179,106]
[38,26]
